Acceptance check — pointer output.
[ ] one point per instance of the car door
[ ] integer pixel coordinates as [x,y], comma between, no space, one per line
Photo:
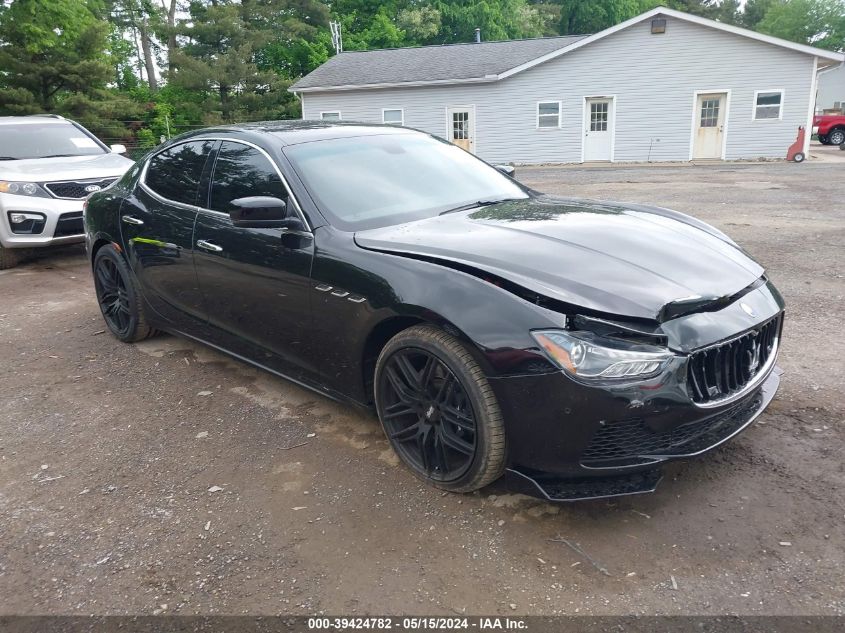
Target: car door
[157,223]
[255,282]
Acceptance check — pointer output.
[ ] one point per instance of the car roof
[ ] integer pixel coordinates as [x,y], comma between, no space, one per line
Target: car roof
[293,132]
[32,119]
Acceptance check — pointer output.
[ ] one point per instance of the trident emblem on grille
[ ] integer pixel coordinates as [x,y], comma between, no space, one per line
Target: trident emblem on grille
[753,356]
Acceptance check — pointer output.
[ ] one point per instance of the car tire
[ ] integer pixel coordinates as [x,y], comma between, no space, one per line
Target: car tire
[119,297]
[439,411]
[823,139]
[9,257]
[836,137]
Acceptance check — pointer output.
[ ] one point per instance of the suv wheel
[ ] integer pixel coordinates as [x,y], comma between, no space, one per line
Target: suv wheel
[836,137]
[11,257]
[823,139]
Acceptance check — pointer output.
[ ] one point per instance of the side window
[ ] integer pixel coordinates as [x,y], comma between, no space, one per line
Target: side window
[242,171]
[175,173]
[767,105]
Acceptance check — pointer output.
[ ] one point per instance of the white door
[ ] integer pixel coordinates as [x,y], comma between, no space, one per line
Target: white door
[598,128]
[709,125]
[461,126]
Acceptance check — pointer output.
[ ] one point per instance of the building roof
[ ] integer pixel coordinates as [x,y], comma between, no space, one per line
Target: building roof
[489,61]
[430,64]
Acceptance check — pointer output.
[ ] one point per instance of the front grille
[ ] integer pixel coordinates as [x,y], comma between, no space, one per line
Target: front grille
[720,371]
[69,224]
[75,190]
[635,440]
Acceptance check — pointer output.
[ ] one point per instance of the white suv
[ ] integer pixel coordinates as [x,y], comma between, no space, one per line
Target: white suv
[48,166]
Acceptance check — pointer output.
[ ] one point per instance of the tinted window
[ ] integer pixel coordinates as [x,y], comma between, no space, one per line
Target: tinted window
[369,181]
[242,171]
[40,140]
[175,173]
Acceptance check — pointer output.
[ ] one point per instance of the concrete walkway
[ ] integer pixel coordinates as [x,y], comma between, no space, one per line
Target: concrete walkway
[826,153]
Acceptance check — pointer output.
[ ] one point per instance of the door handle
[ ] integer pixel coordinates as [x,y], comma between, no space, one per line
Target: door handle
[208,246]
[128,219]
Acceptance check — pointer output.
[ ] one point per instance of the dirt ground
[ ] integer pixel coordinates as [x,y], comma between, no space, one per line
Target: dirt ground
[166,478]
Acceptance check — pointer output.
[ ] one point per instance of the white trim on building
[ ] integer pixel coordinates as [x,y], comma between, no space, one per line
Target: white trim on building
[755,105]
[695,113]
[401,112]
[545,116]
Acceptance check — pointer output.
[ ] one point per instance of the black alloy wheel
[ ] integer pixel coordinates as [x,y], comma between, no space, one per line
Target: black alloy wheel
[112,295]
[438,411]
[119,297]
[427,413]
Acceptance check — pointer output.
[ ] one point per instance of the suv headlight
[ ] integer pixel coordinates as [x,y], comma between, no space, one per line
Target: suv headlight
[589,356]
[23,189]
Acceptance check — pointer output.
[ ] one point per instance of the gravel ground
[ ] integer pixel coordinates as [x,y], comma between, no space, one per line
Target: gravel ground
[164,477]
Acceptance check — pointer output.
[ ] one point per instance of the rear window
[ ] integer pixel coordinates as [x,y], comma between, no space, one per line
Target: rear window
[20,141]
[175,173]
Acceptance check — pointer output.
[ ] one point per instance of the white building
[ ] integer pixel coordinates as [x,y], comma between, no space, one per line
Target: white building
[663,86]
[831,93]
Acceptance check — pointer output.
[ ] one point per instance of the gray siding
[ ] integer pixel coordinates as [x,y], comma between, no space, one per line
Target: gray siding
[831,88]
[653,77]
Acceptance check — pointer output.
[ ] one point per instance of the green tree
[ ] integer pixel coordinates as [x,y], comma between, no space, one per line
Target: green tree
[420,23]
[497,19]
[229,50]
[579,17]
[754,12]
[817,22]
[298,57]
[49,50]
[728,11]
[121,51]
[141,19]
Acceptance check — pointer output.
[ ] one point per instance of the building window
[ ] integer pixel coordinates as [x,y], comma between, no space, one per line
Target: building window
[330,116]
[548,114]
[710,112]
[394,117]
[768,104]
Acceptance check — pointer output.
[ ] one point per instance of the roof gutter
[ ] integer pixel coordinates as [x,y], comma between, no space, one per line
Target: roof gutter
[402,84]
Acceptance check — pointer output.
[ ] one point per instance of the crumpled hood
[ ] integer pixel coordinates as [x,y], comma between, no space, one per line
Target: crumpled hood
[614,258]
[64,168]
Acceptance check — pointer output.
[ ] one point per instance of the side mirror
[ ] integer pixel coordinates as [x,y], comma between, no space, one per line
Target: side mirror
[262,212]
[118,149]
[507,170]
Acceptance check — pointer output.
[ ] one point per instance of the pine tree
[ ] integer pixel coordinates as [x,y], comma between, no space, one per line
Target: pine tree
[49,50]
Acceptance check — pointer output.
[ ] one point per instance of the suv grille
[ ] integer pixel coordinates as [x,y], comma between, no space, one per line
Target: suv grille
[720,371]
[75,190]
[69,224]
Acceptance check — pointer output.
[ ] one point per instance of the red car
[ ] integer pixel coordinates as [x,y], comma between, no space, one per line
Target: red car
[830,128]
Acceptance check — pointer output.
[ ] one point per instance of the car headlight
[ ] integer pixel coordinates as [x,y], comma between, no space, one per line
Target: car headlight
[589,356]
[23,189]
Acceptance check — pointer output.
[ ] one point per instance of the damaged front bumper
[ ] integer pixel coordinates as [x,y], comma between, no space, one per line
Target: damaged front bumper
[644,474]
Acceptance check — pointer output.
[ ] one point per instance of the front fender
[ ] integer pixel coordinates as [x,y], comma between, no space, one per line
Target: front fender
[354,290]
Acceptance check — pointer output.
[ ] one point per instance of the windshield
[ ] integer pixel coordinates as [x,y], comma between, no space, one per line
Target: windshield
[41,140]
[372,181]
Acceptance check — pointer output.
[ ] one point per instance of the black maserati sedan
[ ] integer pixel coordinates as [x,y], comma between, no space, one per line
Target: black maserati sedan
[572,345]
